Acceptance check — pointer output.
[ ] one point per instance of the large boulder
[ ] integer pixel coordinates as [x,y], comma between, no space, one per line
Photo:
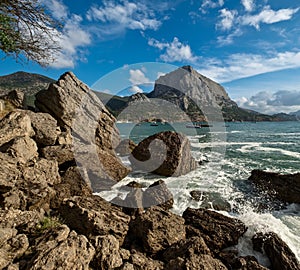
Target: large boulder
[157,229]
[78,111]
[125,147]
[16,98]
[165,153]
[278,252]
[217,230]
[285,188]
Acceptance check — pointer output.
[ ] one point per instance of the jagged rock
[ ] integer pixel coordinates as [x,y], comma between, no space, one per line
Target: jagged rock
[15,124]
[285,188]
[201,262]
[125,147]
[39,180]
[61,249]
[157,229]
[24,221]
[72,184]
[127,266]
[45,127]
[278,252]
[64,137]
[158,194]
[9,173]
[217,230]
[12,246]
[141,262]
[60,153]
[93,216]
[78,110]
[23,149]
[184,248]
[165,153]
[16,98]
[107,253]
[232,261]
[211,200]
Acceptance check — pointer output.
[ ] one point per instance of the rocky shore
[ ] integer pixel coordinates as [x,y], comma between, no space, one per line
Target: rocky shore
[50,219]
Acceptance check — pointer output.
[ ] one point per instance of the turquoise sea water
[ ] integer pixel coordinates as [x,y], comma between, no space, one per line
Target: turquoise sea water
[233,151]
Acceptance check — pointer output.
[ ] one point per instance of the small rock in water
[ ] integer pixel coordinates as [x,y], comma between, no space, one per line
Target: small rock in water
[211,200]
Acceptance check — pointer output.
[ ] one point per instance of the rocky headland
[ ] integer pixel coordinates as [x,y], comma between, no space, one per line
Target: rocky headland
[50,219]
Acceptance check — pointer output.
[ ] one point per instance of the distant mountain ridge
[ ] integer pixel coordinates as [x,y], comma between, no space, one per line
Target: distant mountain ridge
[180,87]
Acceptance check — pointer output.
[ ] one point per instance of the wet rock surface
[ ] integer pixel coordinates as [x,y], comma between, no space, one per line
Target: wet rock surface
[166,153]
[279,254]
[285,188]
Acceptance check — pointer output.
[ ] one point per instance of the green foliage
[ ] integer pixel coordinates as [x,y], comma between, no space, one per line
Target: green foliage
[48,223]
[27,29]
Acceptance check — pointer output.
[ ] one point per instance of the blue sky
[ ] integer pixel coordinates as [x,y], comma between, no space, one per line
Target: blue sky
[251,47]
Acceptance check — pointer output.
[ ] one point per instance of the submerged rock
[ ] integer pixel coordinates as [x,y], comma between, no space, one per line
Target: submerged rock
[278,252]
[166,153]
[211,200]
[285,188]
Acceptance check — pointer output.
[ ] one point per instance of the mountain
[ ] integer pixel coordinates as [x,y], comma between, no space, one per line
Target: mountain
[29,83]
[183,95]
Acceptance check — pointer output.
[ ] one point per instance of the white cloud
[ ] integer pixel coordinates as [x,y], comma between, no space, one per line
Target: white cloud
[227,19]
[135,89]
[57,8]
[137,76]
[227,40]
[208,4]
[175,51]
[249,5]
[126,15]
[71,39]
[271,103]
[245,65]
[268,16]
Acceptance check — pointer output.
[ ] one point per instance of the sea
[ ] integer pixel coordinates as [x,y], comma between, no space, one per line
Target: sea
[230,152]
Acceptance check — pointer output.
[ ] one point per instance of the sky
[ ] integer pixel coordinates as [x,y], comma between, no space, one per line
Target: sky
[250,47]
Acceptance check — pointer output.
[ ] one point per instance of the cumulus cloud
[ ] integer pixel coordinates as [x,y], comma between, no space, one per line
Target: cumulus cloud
[249,5]
[245,65]
[208,4]
[268,16]
[174,51]
[227,19]
[72,38]
[124,15]
[137,76]
[270,103]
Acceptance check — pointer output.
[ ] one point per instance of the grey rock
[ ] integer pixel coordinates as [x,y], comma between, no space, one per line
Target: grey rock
[78,111]
[165,153]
